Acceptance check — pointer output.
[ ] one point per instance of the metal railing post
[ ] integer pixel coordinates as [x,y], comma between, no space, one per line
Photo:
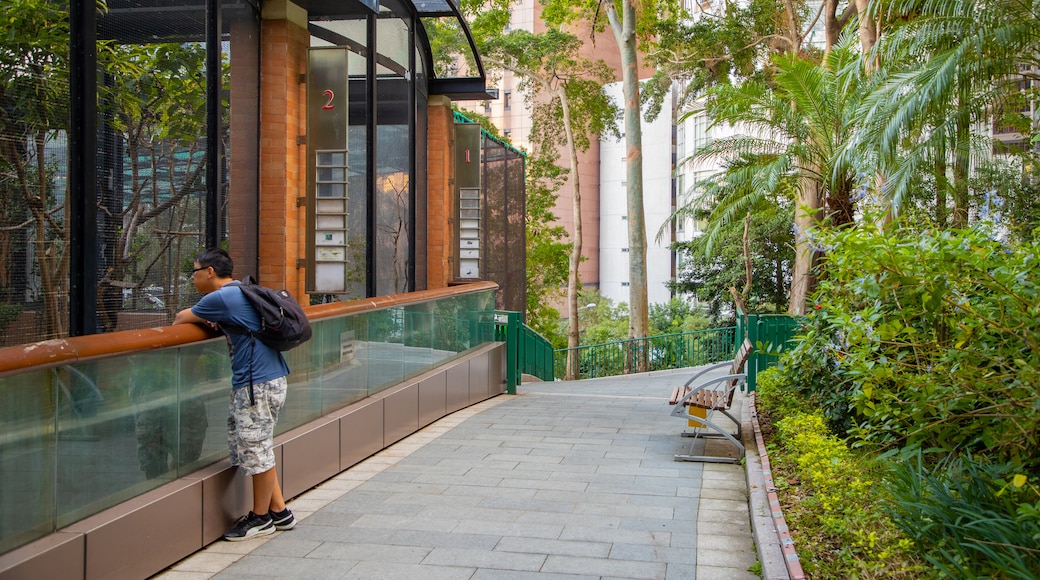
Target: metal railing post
[513,371]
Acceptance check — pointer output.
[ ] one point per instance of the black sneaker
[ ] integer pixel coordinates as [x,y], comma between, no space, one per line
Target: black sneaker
[283,520]
[250,526]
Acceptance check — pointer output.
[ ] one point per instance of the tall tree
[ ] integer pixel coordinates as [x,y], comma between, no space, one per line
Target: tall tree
[34,108]
[795,127]
[947,66]
[729,46]
[632,25]
[574,106]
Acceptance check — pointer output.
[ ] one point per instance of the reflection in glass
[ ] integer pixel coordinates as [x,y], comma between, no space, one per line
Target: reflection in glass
[80,438]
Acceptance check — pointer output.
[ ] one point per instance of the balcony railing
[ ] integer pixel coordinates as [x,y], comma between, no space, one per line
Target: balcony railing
[666,351]
[90,422]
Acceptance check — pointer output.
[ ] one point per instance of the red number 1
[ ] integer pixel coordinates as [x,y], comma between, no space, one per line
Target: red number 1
[328,106]
[467,155]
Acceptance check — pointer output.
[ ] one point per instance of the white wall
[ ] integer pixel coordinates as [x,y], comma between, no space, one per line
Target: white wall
[657,206]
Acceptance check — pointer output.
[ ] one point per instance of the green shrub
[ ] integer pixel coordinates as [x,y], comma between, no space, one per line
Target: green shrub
[969,517]
[935,340]
[833,501]
[812,369]
[772,394]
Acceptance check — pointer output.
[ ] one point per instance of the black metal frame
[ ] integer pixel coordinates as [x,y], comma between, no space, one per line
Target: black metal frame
[131,21]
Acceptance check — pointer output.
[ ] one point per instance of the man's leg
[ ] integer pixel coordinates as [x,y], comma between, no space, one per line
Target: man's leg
[267,494]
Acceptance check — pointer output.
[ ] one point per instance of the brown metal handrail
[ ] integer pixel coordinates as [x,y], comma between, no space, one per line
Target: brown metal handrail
[52,353]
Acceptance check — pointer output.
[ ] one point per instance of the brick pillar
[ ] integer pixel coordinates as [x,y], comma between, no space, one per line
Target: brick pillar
[283,59]
[440,191]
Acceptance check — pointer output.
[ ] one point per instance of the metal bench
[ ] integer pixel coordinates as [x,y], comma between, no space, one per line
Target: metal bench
[700,399]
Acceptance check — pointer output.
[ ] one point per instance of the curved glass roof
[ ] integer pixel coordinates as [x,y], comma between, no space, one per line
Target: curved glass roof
[457,71]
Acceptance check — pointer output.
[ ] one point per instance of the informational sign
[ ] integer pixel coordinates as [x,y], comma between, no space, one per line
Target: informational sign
[327,254]
[469,215]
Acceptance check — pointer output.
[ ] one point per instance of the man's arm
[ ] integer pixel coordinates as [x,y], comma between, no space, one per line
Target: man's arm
[186,316]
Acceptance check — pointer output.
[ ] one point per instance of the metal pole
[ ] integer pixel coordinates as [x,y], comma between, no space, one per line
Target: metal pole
[82,193]
[214,85]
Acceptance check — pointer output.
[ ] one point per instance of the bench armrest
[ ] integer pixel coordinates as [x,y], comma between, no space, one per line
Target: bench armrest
[707,370]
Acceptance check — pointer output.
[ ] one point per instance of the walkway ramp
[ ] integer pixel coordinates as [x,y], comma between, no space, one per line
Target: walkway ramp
[564,480]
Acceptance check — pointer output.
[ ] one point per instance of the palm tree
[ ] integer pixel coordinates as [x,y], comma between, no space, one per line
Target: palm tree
[790,135]
[947,66]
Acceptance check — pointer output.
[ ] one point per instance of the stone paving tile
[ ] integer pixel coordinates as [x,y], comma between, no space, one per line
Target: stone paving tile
[564,481]
[444,540]
[509,529]
[515,561]
[385,571]
[361,552]
[644,553]
[554,547]
[281,567]
[509,575]
[605,567]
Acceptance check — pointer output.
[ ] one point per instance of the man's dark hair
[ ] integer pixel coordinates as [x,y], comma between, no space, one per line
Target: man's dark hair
[218,259]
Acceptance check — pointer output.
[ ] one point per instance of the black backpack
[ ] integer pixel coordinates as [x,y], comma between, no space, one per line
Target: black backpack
[283,325]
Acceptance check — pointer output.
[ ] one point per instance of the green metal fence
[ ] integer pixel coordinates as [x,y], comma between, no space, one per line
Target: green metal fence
[666,351]
[527,352]
[770,334]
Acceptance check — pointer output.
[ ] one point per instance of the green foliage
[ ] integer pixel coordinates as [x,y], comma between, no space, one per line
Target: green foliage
[548,251]
[945,66]
[812,368]
[676,315]
[8,314]
[772,393]
[604,322]
[709,274]
[970,518]
[936,335]
[833,500]
[717,47]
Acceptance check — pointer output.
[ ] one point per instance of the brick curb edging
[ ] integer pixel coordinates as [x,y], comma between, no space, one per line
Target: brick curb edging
[760,474]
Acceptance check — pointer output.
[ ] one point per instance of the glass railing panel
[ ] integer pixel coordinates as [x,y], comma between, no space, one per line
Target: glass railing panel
[202,406]
[385,348]
[27,457]
[303,400]
[96,446]
[344,361]
[136,422]
[79,438]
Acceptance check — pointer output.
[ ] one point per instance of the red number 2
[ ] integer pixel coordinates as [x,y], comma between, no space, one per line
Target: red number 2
[328,106]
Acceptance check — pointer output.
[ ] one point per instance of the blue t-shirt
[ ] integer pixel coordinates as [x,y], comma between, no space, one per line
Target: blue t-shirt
[229,306]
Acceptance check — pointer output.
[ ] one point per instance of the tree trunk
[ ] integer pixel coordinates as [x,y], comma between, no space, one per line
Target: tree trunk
[638,315]
[573,327]
[942,182]
[961,159]
[867,32]
[803,277]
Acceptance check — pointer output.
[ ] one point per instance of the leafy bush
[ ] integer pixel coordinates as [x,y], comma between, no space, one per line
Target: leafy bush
[774,396]
[970,518]
[812,369]
[934,342]
[833,500]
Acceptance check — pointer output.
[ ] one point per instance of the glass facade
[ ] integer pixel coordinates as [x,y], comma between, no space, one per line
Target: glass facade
[104,201]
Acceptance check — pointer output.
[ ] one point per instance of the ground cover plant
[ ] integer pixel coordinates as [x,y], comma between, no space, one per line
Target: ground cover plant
[921,358]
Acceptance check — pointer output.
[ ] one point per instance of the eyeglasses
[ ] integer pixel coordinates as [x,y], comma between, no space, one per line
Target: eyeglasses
[193,270]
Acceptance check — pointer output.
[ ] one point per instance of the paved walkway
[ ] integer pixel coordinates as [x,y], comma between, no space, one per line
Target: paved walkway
[565,480]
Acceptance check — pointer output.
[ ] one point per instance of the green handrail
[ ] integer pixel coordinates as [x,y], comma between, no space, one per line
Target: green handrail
[665,351]
[527,352]
[769,333]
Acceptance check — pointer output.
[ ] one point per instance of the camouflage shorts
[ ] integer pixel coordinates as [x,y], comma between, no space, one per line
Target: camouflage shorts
[251,427]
